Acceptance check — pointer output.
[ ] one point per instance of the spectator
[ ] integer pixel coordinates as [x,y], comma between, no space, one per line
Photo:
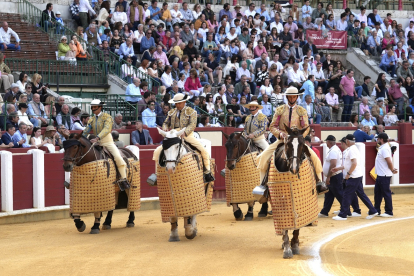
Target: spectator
[234,109]
[24,118]
[84,9]
[119,15]
[404,71]
[309,88]
[310,46]
[7,137]
[128,71]
[5,34]
[142,104]
[380,87]
[62,135]
[115,137]
[20,136]
[388,63]
[36,139]
[149,116]
[13,119]
[80,124]
[374,44]
[187,15]
[373,18]
[147,41]
[368,120]
[118,123]
[141,136]
[267,107]
[59,104]
[78,49]
[391,119]
[306,10]
[364,107]
[361,136]
[127,50]
[295,76]
[379,111]
[6,76]
[133,93]
[309,106]
[213,69]
[347,86]
[166,78]
[63,118]
[47,16]
[161,116]
[37,111]
[74,10]
[149,55]
[296,51]
[14,89]
[396,97]
[63,48]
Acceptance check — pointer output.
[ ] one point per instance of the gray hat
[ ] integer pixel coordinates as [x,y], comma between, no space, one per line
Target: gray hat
[14,85]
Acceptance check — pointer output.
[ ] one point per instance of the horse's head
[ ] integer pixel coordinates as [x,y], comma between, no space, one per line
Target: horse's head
[236,145]
[74,147]
[172,148]
[294,148]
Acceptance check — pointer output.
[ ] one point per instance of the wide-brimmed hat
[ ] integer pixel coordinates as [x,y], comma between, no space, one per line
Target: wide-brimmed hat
[254,103]
[49,129]
[97,102]
[179,98]
[292,91]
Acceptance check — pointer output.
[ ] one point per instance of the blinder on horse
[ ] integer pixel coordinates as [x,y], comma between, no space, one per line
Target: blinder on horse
[70,143]
[166,144]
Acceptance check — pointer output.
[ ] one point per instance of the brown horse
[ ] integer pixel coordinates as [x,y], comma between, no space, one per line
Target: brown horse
[237,146]
[78,151]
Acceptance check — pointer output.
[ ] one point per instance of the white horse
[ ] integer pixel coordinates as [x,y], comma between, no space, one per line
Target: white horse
[172,155]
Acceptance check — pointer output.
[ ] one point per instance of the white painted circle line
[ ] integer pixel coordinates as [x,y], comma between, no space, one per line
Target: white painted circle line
[315,264]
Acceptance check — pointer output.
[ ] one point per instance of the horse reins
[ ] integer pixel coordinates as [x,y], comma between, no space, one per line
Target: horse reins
[244,153]
[76,159]
[180,142]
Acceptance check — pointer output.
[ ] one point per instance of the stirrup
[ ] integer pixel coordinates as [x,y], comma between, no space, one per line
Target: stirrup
[208,177]
[123,184]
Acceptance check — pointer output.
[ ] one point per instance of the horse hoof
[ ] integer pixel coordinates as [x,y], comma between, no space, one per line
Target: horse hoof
[295,251]
[192,236]
[248,217]
[238,215]
[82,228]
[174,239]
[287,254]
[262,215]
[94,231]
[130,224]
[106,227]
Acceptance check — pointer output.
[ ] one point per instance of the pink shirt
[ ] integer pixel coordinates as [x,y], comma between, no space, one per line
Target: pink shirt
[258,52]
[331,100]
[162,57]
[395,92]
[363,108]
[348,85]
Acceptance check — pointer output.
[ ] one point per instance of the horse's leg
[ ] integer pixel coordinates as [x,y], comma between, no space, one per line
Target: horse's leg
[108,221]
[95,228]
[294,243]
[80,225]
[263,211]
[190,226]
[237,212]
[131,218]
[174,230]
[249,215]
[287,252]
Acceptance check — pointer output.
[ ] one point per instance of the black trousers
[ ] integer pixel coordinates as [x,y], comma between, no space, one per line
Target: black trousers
[382,190]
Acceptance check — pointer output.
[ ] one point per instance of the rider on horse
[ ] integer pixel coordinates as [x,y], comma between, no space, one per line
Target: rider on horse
[289,115]
[255,125]
[181,117]
[101,124]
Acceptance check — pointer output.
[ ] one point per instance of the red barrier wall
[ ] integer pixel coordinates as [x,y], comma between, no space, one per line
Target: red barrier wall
[147,168]
[22,182]
[370,155]
[54,178]
[406,164]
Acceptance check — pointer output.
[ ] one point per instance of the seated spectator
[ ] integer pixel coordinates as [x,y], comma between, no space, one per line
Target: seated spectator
[296,77]
[210,46]
[81,123]
[24,118]
[7,137]
[13,92]
[396,97]
[309,106]
[333,103]
[128,71]
[133,92]
[234,109]
[364,107]
[20,137]
[166,78]
[118,123]
[36,138]
[391,119]
[78,49]
[5,34]
[63,48]
[177,52]
[63,118]
[361,136]
[149,116]
[160,55]
[354,122]
[92,37]
[149,55]
[388,63]
[161,116]
[213,69]
[119,15]
[267,106]
[115,137]
[52,136]
[7,77]
[312,135]
[204,121]
[37,111]
[191,51]
[147,41]
[192,85]
[368,120]
[13,119]
[127,50]
[140,136]
[379,111]
[374,44]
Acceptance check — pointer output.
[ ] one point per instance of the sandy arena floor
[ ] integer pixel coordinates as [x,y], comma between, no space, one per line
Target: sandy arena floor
[222,247]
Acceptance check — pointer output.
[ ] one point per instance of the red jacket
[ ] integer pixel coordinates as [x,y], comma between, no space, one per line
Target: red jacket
[316,151]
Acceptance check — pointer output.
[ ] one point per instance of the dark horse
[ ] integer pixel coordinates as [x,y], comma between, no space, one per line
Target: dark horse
[79,151]
[288,158]
[237,146]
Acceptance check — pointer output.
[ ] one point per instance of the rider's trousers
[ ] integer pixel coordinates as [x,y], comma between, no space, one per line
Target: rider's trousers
[109,144]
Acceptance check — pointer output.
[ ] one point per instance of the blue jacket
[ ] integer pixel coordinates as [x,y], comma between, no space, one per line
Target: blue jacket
[6,138]
[309,90]
[361,136]
[135,137]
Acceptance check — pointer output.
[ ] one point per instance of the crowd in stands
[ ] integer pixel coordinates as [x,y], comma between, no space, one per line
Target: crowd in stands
[223,61]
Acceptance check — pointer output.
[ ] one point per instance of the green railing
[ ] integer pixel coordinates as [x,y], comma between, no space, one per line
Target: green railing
[62,72]
[32,15]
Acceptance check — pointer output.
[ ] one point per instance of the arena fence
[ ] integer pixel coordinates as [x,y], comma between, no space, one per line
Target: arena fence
[33,15]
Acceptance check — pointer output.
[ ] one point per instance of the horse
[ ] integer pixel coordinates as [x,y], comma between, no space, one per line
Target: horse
[174,150]
[288,158]
[237,146]
[78,152]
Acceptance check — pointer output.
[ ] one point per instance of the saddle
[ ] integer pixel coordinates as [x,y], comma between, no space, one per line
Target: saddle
[125,153]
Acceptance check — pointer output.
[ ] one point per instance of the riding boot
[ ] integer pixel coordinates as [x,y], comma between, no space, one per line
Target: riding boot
[208,177]
[123,184]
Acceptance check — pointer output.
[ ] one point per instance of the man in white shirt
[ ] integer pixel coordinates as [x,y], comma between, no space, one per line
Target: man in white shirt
[84,8]
[332,101]
[5,34]
[296,77]
[333,159]
[342,24]
[250,11]
[267,107]
[220,92]
[384,169]
[166,78]
[278,65]
[362,16]
[408,29]
[354,168]
[276,24]
[80,124]
[320,77]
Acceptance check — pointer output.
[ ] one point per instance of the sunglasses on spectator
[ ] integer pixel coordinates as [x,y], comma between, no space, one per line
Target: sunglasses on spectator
[29,88]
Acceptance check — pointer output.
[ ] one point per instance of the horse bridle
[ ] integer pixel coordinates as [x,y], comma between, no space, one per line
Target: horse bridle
[238,150]
[76,159]
[180,142]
